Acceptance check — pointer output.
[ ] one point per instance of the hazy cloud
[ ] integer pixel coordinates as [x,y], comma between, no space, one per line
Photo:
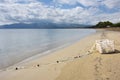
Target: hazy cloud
[27,11]
[112,3]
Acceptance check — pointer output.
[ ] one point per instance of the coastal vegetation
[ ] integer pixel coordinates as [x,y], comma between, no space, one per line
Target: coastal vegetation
[106,24]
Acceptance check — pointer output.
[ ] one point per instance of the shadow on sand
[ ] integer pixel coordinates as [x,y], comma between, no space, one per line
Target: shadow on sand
[116,52]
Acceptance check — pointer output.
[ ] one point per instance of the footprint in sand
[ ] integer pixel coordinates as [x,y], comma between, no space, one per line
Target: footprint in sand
[97,68]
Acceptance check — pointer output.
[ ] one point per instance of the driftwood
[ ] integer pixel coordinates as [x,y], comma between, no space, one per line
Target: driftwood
[105,46]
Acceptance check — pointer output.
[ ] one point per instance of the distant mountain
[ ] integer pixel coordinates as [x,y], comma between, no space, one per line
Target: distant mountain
[42,25]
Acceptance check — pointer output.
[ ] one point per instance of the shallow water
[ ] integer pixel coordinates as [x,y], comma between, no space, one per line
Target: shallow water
[19,44]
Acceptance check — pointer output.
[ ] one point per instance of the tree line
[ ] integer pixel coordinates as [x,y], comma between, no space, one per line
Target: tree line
[106,24]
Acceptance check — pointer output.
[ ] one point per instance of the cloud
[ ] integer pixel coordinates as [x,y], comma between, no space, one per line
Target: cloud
[70,2]
[112,3]
[28,11]
[37,11]
[105,17]
[17,1]
[85,3]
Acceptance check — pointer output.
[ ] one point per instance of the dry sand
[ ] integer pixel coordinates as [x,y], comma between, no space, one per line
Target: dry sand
[74,63]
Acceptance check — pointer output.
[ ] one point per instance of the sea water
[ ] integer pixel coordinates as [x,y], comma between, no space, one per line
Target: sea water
[19,44]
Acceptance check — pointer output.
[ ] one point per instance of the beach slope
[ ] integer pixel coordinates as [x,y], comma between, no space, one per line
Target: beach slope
[74,62]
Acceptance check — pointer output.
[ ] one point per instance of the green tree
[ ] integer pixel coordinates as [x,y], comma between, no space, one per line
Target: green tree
[104,24]
[116,24]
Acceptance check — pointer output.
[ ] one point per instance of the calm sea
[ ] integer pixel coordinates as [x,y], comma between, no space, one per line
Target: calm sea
[19,44]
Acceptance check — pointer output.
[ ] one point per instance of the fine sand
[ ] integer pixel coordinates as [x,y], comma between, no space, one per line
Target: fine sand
[79,61]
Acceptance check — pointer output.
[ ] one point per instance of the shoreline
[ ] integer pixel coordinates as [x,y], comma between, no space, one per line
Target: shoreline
[48,65]
[38,56]
[43,54]
[36,51]
[50,58]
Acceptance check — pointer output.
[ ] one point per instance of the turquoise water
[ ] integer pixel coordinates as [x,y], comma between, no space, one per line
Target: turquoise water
[19,44]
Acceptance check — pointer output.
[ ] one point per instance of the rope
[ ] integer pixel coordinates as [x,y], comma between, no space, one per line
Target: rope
[54,63]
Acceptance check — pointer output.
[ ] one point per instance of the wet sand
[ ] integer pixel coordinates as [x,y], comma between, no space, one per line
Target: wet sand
[79,61]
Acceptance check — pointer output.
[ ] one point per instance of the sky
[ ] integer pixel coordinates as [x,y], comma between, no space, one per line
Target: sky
[59,11]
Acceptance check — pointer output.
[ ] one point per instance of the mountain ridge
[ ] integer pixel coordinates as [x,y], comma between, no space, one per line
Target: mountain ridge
[43,25]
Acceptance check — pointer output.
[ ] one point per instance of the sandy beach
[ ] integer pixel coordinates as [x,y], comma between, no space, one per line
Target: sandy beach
[79,61]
